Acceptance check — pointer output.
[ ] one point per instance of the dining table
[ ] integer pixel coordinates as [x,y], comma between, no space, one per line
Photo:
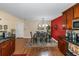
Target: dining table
[41,37]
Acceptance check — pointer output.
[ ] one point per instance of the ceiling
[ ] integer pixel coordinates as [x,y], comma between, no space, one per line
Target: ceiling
[35,10]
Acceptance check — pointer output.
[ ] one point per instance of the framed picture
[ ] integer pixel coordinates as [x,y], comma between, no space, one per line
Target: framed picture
[0,27]
[5,27]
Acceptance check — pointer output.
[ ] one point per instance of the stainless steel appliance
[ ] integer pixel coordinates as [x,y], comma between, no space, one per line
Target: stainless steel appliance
[75,24]
[5,34]
[69,35]
[77,39]
[1,34]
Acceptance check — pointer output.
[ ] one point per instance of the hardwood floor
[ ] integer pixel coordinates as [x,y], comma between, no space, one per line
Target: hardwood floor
[35,51]
[38,51]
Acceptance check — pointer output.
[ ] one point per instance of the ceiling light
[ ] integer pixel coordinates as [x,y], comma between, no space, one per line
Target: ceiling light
[43,25]
[39,25]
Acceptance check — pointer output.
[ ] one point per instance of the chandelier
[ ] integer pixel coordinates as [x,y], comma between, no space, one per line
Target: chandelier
[42,24]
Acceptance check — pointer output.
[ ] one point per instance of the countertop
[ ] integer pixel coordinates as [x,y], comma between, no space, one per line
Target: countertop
[2,40]
[5,39]
[72,42]
[8,38]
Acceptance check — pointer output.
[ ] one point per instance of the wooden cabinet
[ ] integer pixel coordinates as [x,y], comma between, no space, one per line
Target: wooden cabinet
[65,19]
[64,16]
[76,11]
[71,14]
[69,18]
[62,46]
[12,46]
[6,48]
[0,50]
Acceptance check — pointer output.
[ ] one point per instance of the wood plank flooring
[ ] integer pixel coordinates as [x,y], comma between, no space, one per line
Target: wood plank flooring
[38,51]
[35,51]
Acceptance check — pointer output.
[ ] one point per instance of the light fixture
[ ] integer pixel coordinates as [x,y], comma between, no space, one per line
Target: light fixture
[46,25]
[43,25]
[39,25]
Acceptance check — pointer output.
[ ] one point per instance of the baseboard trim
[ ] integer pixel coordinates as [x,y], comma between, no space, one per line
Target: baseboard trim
[22,38]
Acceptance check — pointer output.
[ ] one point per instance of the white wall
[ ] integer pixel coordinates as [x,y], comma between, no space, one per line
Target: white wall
[31,25]
[22,27]
[12,22]
[7,20]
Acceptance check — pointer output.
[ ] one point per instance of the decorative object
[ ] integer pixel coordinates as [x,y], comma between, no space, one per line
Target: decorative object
[0,18]
[5,27]
[55,27]
[12,31]
[0,27]
[48,27]
[64,26]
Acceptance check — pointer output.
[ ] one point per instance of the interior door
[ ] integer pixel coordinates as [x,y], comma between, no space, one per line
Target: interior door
[20,30]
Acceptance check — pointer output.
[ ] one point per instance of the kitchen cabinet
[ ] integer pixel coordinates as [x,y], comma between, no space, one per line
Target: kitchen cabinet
[6,48]
[0,50]
[12,46]
[69,18]
[76,11]
[64,16]
[62,46]
[64,19]
[70,15]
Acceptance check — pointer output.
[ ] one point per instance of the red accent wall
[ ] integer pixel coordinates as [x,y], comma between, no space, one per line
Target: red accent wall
[59,31]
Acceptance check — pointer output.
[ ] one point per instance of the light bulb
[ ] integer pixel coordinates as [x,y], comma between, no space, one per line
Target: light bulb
[39,25]
[46,25]
[43,25]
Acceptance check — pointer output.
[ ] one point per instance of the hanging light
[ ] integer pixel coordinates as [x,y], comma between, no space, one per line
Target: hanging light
[39,25]
[43,25]
[46,25]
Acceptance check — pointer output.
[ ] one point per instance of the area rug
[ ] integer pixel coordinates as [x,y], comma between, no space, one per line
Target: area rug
[51,44]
